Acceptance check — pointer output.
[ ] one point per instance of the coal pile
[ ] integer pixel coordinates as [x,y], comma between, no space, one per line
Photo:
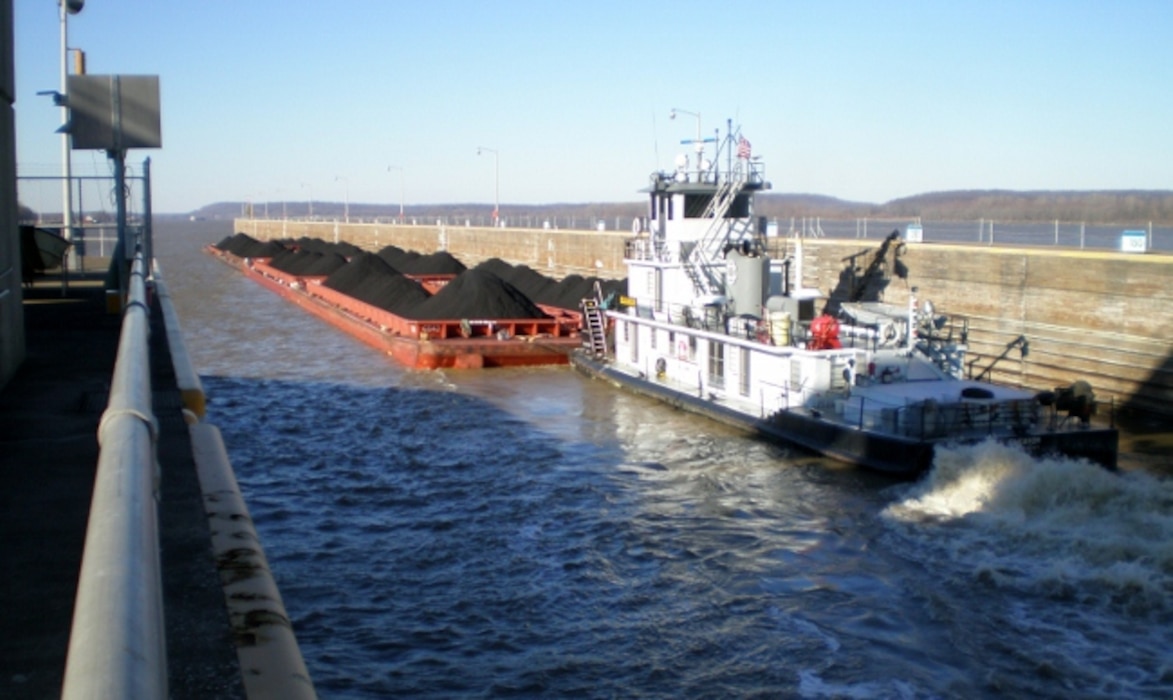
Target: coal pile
[307,263]
[531,283]
[439,263]
[243,245]
[369,278]
[565,294]
[477,294]
[494,289]
[317,245]
[397,257]
[569,292]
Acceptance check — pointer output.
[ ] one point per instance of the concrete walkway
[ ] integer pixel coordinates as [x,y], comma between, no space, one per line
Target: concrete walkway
[49,416]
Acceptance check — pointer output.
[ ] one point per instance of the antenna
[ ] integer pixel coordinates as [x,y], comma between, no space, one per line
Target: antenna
[655,141]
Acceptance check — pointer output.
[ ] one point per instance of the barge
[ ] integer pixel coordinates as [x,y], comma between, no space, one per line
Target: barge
[711,325]
[469,343]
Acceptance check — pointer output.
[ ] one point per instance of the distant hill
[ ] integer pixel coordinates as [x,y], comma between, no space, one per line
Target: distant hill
[1093,207]
[1097,207]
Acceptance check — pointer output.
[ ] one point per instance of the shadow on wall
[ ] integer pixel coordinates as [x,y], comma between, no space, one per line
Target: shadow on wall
[1153,401]
[859,283]
[1146,421]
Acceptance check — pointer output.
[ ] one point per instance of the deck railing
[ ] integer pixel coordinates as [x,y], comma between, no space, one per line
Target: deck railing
[117,642]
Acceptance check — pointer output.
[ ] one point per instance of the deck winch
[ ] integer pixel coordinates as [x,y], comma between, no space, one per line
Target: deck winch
[1078,400]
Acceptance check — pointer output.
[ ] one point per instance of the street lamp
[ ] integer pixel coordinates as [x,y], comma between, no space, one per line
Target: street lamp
[68,7]
[700,142]
[496,182]
[400,169]
[346,184]
[310,191]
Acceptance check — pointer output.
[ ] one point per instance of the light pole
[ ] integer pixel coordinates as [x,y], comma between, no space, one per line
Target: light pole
[700,142]
[346,185]
[400,169]
[68,7]
[496,182]
[310,201]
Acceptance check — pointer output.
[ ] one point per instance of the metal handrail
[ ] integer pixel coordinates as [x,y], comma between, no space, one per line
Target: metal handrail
[117,646]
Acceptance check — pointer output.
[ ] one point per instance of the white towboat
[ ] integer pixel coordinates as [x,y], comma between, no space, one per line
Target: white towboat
[711,325]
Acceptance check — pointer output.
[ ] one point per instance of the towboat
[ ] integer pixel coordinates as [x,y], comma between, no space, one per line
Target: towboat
[712,325]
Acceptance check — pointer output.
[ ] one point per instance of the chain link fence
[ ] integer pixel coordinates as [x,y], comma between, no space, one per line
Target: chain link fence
[94,229]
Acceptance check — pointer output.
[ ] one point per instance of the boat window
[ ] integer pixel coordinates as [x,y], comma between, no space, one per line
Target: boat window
[658,289]
[716,364]
[739,209]
[695,205]
[745,354]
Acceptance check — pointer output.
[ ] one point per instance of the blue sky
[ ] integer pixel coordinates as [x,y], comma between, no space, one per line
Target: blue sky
[866,101]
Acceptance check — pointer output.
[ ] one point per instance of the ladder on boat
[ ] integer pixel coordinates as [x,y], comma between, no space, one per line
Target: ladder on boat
[708,250]
[595,339]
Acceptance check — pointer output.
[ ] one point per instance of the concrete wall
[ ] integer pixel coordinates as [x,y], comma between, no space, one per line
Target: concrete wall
[12,345]
[1100,316]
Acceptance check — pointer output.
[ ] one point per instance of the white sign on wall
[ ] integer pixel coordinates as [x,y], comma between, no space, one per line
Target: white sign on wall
[1133,242]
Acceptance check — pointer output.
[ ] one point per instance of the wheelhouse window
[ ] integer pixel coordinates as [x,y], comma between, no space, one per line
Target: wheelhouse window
[739,209]
[695,205]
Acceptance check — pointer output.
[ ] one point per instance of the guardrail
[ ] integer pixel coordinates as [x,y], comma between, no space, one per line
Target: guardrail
[117,645]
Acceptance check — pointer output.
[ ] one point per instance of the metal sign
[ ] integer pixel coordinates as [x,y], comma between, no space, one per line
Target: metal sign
[1133,242]
[114,112]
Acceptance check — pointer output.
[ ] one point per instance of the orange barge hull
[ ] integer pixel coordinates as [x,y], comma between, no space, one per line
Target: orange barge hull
[456,344]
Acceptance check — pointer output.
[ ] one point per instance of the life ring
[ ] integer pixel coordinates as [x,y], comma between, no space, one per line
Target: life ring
[661,366]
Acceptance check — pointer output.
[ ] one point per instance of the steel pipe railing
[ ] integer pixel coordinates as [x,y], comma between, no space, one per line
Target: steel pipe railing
[117,645]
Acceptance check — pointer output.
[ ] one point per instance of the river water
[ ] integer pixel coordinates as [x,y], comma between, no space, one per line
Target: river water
[531,533]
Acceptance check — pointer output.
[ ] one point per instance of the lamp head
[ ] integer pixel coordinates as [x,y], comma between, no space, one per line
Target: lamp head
[74,6]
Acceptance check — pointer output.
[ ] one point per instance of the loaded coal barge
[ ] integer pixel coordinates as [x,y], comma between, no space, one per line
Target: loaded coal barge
[426,312]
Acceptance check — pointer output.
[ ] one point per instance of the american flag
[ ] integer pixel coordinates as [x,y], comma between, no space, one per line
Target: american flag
[743,148]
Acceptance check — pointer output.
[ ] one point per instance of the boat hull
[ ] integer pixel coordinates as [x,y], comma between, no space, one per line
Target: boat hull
[890,454]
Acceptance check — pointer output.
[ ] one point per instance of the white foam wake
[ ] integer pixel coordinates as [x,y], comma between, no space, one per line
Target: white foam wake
[1057,526]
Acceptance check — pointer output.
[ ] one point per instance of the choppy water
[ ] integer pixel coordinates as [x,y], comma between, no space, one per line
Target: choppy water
[532,533]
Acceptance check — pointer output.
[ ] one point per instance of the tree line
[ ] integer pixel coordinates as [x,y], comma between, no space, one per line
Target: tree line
[1093,207]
